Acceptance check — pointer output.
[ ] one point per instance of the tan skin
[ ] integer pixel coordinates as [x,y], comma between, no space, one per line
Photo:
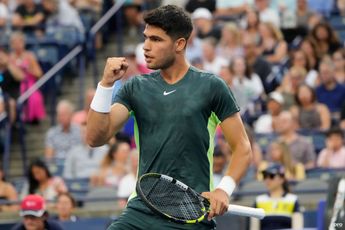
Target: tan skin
[64,207]
[19,52]
[9,192]
[34,223]
[168,55]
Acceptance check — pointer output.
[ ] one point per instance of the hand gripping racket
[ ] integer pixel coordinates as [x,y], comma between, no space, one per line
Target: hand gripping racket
[176,201]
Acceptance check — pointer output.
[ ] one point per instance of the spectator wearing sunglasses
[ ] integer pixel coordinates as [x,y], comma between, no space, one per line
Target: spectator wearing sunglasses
[281,207]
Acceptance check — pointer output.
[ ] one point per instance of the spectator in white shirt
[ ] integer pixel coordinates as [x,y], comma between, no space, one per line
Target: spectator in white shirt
[212,62]
[266,13]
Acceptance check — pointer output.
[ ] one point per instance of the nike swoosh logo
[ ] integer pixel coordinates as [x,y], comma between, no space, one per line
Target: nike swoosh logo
[167,93]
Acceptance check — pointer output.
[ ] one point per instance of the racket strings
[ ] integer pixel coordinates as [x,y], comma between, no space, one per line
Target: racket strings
[178,203]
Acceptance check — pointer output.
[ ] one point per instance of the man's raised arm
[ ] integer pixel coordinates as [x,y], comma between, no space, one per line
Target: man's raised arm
[103,118]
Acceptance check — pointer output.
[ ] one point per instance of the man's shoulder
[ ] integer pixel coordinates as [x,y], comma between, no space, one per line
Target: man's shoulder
[202,75]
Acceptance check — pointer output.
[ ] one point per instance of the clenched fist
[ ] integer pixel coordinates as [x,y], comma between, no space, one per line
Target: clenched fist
[114,70]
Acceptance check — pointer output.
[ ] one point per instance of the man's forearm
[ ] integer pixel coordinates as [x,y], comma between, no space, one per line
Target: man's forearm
[97,128]
[239,163]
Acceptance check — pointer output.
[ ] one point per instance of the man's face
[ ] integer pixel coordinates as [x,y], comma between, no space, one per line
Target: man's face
[326,74]
[33,223]
[64,116]
[285,123]
[64,206]
[159,48]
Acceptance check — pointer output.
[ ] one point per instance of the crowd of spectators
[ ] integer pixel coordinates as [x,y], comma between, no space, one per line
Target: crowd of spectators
[283,60]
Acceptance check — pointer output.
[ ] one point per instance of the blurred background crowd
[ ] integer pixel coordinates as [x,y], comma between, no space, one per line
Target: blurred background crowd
[284,61]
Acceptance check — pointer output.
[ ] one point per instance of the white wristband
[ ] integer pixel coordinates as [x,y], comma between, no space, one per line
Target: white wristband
[101,102]
[227,184]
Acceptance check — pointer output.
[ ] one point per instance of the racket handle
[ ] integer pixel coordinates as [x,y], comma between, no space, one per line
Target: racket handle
[246,211]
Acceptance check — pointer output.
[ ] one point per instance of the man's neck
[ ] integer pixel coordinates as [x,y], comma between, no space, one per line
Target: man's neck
[64,217]
[330,85]
[175,72]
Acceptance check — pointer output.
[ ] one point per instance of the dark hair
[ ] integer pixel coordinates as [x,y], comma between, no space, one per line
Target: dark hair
[285,185]
[172,19]
[33,183]
[335,131]
[123,137]
[218,152]
[70,197]
[332,37]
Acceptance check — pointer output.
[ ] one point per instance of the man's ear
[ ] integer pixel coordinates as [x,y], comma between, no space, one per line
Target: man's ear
[180,44]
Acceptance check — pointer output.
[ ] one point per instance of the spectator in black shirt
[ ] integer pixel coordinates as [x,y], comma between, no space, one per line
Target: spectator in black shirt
[10,78]
[28,16]
[192,5]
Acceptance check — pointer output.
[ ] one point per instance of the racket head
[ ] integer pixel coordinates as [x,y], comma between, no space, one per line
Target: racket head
[171,198]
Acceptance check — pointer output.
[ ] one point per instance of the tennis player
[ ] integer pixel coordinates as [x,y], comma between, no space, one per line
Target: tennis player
[176,110]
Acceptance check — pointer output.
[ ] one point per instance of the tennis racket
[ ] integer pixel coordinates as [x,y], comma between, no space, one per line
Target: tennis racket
[176,201]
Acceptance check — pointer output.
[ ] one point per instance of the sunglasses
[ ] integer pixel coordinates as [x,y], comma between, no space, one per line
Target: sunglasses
[269,176]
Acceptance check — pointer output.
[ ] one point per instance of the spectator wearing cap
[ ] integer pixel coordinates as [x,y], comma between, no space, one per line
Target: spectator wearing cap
[266,122]
[203,22]
[281,207]
[333,156]
[35,216]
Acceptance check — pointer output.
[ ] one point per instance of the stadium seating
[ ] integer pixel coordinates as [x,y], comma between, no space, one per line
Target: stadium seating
[311,191]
